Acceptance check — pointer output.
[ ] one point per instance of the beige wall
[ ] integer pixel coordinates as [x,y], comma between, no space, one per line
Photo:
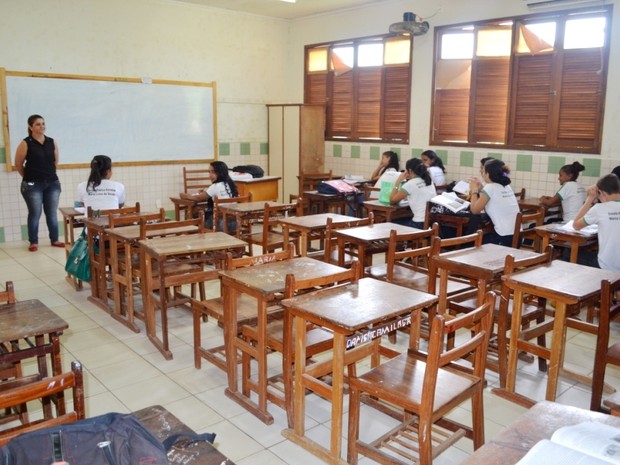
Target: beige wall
[254,60]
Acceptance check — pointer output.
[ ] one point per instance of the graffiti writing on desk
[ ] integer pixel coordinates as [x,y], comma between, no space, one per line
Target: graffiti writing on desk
[181,458]
[377,331]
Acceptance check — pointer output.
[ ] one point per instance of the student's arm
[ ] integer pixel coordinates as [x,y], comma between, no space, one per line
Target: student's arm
[376,174]
[478,198]
[20,157]
[579,222]
[550,201]
[398,194]
[200,197]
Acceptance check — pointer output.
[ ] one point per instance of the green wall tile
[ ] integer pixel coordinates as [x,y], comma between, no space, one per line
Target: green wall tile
[356,151]
[170,214]
[2,236]
[24,231]
[2,154]
[443,154]
[555,163]
[416,153]
[466,158]
[224,149]
[593,167]
[337,151]
[397,150]
[264,148]
[245,148]
[496,155]
[524,162]
[375,153]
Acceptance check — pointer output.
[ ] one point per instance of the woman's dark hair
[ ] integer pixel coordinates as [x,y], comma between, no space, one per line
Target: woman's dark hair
[498,171]
[484,160]
[610,184]
[31,120]
[434,158]
[417,166]
[99,166]
[616,171]
[573,170]
[221,175]
[393,163]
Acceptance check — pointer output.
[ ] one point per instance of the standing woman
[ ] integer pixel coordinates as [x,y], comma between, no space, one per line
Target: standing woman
[36,159]
[222,187]
[571,194]
[435,167]
[497,199]
[100,192]
[418,190]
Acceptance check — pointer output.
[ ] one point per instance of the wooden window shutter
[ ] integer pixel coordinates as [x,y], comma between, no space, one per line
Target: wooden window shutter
[396,101]
[450,115]
[316,89]
[340,109]
[581,99]
[489,91]
[368,113]
[531,99]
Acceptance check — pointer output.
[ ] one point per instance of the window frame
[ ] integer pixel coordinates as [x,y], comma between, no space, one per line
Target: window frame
[557,132]
[376,100]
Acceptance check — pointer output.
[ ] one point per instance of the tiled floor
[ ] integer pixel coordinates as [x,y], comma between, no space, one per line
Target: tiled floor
[124,372]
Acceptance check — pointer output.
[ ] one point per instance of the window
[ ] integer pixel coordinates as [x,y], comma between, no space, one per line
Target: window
[365,85]
[535,82]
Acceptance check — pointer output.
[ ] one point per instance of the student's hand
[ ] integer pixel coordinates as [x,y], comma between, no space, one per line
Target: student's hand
[474,184]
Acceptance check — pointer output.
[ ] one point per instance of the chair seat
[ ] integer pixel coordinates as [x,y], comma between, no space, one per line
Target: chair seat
[415,279]
[402,379]
[318,339]
[246,309]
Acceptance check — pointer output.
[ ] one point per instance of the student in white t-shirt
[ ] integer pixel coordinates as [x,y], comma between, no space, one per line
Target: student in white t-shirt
[435,168]
[605,214]
[497,199]
[418,189]
[571,194]
[389,160]
[100,192]
[222,187]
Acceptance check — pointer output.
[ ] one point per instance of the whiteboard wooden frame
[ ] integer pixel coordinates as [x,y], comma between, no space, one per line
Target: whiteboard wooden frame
[126,85]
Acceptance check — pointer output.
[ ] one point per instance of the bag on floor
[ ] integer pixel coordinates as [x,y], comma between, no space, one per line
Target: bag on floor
[109,439]
[78,261]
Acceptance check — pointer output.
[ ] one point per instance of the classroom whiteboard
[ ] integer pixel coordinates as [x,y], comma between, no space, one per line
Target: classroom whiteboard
[131,120]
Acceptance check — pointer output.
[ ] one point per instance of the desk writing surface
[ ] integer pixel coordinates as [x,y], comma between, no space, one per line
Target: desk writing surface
[375,232]
[27,318]
[316,221]
[204,242]
[356,305]
[248,207]
[491,257]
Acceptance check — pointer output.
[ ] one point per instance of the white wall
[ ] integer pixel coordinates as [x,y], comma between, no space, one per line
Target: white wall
[254,60]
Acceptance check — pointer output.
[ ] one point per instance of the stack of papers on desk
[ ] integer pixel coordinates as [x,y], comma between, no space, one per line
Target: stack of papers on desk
[353,178]
[461,187]
[589,230]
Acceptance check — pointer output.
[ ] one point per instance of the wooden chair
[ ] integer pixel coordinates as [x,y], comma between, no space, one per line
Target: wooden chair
[455,222]
[10,371]
[8,295]
[425,387]
[270,235]
[90,213]
[329,254]
[318,339]
[606,354]
[217,215]
[42,389]
[246,308]
[524,234]
[308,182]
[195,180]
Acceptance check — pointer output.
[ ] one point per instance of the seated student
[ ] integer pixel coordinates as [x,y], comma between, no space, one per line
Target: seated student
[418,190]
[571,194]
[497,199]
[389,160]
[606,214]
[435,167]
[222,187]
[100,192]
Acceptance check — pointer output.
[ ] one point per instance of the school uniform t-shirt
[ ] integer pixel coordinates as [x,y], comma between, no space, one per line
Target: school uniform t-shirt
[219,190]
[502,207]
[106,196]
[437,175]
[418,193]
[607,216]
[389,175]
[573,195]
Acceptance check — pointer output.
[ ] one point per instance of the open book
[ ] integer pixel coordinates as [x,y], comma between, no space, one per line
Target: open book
[451,201]
[461,187]
[590,230]
[588,443]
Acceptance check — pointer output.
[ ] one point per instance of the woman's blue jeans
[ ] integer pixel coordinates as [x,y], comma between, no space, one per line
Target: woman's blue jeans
[41,197]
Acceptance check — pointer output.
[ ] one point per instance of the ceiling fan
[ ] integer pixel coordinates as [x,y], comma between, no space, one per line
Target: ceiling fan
[411,24]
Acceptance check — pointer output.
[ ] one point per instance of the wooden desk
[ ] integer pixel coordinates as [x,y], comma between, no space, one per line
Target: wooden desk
[244,214]
[34,320]
[126,238]
[187,207]
[263,282]
[387,212]
[194,258]
[363,238]
[323,203]
[484,265]
[95,234]
[566,284]
[164,424]
[539,422]
[355,314]
[71,219]
[310,226]
[262,189]
[575,239]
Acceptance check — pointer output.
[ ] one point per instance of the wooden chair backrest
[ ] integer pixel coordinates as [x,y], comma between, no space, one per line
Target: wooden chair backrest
[41,389]
[417,253]
[136,218]
[532,216]
[294,285]
[195,180]
[309,181]
[8,295]
[512,265]
[172,228]
[90,213]
[233,263]
[520,195]
[454,221]
[219,201]
[368,190]
[330,227]
[273,213]
[470,240]
[478,324]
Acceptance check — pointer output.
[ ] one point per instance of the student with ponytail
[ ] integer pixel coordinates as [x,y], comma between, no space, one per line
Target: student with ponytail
[418,189]
[100,192]
[570,195]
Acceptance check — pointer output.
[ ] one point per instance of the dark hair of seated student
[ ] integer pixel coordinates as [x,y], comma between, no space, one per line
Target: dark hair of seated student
[434,159]
[498,171]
